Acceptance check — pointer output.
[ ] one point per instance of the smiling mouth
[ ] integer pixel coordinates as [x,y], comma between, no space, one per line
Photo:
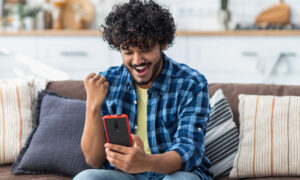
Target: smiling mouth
[141,69]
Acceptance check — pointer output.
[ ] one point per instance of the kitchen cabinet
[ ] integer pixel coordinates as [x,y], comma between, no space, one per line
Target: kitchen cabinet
[239,57]
[71,57]
[246,59]
[78,56]
[11,46]
[23,45]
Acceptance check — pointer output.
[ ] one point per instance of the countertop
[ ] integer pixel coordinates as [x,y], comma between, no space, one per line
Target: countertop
[179,33]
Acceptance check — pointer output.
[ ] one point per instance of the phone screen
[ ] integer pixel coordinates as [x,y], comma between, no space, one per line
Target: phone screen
[117,130]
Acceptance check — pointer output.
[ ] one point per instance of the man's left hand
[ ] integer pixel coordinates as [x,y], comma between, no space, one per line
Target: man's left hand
[128,159]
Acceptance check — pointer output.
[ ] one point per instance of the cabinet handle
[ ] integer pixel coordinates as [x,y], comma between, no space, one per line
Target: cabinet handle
[249,54]
[74,53]
[254,54]
[290,54]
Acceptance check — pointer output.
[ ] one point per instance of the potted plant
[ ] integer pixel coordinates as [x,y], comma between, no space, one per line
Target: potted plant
[29,17]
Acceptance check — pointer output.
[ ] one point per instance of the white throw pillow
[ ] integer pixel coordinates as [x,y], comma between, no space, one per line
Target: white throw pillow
[17,100]
[269,137]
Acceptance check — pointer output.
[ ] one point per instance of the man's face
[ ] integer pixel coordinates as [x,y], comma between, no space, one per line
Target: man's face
[143,64]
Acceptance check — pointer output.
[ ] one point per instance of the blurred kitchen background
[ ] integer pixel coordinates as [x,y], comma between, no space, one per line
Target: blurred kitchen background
[239,41]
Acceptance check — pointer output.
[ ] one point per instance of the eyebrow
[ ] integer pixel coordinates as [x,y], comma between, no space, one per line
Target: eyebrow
[127,49]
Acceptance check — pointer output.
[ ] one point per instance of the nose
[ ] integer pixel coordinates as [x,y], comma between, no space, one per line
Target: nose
[137,59]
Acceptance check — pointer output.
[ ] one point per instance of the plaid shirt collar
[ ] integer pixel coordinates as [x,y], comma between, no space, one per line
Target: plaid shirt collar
[161,83]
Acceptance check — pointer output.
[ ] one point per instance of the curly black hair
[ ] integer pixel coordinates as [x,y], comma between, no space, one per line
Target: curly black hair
[139,24]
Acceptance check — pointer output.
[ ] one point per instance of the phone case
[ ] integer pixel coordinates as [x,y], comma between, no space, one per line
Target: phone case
[117,129]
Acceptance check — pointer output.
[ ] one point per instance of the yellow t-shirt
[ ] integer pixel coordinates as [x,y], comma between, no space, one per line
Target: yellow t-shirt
[141,130]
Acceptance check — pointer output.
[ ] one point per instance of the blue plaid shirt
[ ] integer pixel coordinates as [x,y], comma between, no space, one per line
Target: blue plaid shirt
[177,112]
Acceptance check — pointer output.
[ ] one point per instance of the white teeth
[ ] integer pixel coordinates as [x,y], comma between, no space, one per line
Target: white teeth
[140,67]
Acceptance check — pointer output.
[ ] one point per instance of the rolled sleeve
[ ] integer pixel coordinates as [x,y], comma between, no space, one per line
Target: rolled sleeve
[193,116]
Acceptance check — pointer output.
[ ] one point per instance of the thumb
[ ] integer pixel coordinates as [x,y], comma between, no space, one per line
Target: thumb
[137,141]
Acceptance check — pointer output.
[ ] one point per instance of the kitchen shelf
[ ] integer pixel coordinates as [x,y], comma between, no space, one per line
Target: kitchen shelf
[51,33]
[179,33]
[241,33]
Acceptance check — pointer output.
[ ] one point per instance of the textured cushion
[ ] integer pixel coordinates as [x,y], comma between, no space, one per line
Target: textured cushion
[231,92]
[269,137]
[54,144]
[15,118]
[222,136]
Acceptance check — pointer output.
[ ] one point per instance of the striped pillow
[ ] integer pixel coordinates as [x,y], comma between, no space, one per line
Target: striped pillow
[269,137]
[15,119]
[222,137]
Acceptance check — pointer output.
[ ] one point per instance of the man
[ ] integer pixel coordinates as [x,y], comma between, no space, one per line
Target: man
[167,103]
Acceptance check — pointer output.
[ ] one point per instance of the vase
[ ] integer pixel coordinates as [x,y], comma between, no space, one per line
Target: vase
[224,18]
[28,23]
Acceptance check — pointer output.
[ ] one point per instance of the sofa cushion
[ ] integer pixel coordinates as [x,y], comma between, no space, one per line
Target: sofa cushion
[269,137]
[231,92]
[54,144]
[222,137]
[15,118]
[70,88]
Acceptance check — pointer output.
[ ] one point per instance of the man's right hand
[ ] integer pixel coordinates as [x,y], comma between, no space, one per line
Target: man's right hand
[96,89]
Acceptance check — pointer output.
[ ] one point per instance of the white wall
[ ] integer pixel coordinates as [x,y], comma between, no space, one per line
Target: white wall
[200,14]
[247,10]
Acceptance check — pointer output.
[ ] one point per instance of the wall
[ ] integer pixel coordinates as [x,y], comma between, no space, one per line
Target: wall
[247,10]
[200,14]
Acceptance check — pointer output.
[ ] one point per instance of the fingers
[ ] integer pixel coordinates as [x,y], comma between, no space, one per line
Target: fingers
[117,163]
[106,84]
[102,79]
[91,75]
[114,155]
[99,79]
[118,148]
[96,78]
[137,141]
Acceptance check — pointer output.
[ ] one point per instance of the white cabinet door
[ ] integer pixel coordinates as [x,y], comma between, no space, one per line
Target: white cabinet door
[77,56]
[19,45]
[12,47]
[243,59]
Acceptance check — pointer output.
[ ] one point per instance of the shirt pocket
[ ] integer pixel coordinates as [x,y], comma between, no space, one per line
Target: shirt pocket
[114,106]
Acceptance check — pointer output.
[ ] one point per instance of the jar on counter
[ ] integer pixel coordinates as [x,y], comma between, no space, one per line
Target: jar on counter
[45,17]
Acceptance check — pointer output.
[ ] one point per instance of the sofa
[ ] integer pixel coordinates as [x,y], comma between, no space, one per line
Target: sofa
[75,89]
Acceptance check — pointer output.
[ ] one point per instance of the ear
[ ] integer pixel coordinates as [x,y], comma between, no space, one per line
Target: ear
[163,47]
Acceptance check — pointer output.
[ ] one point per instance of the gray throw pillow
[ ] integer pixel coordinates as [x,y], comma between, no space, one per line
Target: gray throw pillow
[54,144]
[222,137]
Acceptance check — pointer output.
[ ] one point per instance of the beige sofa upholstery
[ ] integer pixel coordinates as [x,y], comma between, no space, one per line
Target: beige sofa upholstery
[75,89]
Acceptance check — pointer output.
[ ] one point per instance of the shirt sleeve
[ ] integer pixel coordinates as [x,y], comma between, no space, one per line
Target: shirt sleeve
[193,115]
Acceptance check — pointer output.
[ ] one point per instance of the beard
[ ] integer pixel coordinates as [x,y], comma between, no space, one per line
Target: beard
[154,72]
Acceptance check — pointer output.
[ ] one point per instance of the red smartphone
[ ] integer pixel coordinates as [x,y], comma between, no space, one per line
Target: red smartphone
[117,129]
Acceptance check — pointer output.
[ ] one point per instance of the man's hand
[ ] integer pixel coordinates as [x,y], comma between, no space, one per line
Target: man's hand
[96,89]
[128,159]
